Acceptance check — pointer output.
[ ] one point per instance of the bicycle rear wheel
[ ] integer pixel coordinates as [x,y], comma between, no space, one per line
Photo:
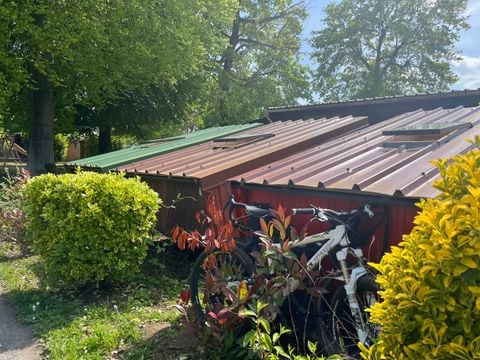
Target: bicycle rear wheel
[214,269]
[342,325]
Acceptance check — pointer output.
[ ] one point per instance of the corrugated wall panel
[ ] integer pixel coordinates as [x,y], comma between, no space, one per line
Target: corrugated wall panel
[399,220]
[184,210]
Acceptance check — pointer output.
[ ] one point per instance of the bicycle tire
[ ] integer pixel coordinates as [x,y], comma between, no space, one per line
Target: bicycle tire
[342,332]
[235,266]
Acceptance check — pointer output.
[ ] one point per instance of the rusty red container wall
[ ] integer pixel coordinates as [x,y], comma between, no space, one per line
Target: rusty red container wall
[399,220]
[183,211]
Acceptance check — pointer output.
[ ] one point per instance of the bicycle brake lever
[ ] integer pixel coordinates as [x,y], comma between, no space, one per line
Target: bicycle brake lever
[368,211]
[321,217]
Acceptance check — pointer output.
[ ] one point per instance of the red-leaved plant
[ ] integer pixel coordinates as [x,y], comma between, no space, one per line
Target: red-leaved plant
[217,232]
[214,232]
[279,272]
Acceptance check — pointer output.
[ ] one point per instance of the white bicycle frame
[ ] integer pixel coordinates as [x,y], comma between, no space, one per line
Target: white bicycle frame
[339,237]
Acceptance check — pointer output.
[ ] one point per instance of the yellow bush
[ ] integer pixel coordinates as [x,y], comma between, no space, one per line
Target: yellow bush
[431,281]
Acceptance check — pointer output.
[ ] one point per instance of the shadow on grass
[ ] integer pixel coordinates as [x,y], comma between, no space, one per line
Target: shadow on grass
[83,311]
[167,343]
[13,250]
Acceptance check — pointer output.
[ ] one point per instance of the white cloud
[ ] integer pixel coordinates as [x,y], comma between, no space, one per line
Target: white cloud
[468,70]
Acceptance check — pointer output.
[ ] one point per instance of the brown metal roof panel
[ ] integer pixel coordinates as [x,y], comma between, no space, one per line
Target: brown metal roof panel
[290,147]
[333,153]
[189,158]
[299,167]
[292,133]
[425,189]
[326,155]
[204,161]
[360,169]
[317,171]
[192,160]
[412,176]
[350,163]
[211,157]
[298,139]
[155,163]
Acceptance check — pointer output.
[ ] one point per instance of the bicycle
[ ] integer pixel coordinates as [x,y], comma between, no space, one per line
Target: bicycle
[340,320]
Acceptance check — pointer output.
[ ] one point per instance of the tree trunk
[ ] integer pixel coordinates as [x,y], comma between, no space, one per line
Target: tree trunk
[40,145]
[226,77]
[105,140]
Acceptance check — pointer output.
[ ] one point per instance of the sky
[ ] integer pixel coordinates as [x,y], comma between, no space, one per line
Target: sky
[468,69]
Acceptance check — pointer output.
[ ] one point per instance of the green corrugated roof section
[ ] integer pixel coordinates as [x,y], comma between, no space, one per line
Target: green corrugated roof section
[134,153]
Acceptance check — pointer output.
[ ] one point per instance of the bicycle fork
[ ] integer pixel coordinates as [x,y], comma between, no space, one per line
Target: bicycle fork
[350,286]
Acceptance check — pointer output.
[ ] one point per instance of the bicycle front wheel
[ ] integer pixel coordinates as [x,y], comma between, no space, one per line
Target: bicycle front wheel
[342,324]
[212,271]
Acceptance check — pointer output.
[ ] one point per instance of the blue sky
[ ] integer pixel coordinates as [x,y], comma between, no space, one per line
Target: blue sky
[468,69]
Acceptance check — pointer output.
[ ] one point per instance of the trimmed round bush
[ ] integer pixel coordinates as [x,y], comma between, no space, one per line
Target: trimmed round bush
[89,227]
[431,281]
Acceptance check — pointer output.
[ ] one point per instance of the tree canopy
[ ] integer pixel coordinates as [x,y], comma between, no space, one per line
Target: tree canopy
[260,63]
[386,47]
[58,55]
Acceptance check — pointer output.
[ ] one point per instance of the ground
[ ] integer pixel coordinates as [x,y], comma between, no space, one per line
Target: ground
[17,341]
[134,320]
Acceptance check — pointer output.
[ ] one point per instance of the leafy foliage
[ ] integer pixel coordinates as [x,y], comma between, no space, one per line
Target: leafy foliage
[266,344]
[101,57]
[218,232]
[260,63]
[279,274]
[374,47]
[88,226]
[12,217]
[431,287]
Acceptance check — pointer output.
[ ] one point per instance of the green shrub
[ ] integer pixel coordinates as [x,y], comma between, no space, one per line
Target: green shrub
[431,282]
[88,226]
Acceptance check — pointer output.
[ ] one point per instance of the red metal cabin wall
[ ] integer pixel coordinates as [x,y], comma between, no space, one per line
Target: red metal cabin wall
[221,193]
[400,217]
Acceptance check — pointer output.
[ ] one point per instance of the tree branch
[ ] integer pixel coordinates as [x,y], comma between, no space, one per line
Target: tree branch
[281,15]
[259,43]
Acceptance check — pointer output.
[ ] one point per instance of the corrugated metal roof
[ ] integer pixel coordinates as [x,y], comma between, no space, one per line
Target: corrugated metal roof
[213,163]
[360,161]
[134,153]
[378,99]
[378,109]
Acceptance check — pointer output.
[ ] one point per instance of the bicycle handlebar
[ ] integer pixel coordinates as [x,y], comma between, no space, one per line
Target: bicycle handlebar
[304,211]
[317,213]
[328,214]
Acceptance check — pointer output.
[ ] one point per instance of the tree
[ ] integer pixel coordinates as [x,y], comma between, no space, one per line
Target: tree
[260,64]
[387,47]
[154,112]
[58,55]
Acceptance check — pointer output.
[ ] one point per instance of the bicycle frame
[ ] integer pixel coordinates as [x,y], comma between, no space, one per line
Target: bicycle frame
[339,237]
[336,236]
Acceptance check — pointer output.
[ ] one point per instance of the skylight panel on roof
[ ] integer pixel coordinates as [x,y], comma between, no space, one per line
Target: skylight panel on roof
[423,134]
[427,129]
[237,141]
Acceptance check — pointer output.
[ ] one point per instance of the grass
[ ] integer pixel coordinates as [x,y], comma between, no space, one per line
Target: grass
[126,321]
